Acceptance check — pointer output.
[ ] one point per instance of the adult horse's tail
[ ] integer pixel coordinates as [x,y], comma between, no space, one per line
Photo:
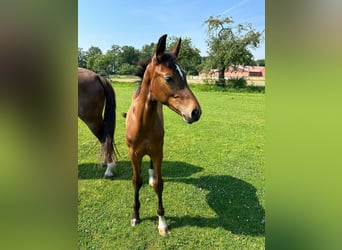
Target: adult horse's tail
[109,120]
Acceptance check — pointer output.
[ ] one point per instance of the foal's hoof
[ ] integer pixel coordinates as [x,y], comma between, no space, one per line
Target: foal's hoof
[135,222]
[151,182]
[109,177]
[163,231]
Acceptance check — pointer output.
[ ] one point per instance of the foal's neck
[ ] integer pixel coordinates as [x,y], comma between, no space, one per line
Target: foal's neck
[147,109]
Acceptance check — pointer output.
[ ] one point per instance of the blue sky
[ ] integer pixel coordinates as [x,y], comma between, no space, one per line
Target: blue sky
[135,23]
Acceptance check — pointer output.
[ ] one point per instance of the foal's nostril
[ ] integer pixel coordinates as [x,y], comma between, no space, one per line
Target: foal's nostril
[195,115]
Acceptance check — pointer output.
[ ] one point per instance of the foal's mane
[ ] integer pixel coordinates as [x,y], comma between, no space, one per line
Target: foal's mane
[142,68]
[142,65]
[167,58]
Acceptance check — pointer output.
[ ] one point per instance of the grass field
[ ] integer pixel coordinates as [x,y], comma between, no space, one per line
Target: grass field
[214,184]
[251,81]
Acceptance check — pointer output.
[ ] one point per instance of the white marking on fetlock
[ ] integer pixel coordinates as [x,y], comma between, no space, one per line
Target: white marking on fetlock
[151,177]
[162,226]
[134,222]
[109,171]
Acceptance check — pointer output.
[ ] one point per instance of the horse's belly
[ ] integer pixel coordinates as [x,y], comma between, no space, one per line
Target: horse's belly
[146,146]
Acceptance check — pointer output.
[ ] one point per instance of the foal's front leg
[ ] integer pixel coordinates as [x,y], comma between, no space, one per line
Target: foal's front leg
[158,185]
[151,174]
[137,183]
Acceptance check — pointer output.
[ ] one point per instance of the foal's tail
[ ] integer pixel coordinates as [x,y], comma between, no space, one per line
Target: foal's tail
[109,121]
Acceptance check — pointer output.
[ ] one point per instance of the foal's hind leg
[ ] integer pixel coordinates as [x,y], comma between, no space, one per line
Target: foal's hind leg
[158,185]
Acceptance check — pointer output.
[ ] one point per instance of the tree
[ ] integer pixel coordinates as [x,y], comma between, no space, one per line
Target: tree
[92,54]
[93,50]
[103,64]
[126,69]
[82,58]
[189,56]
[260,62]
[147,51]
[129,55]
[127,60]
[229,45]
[205,65]
[113,54]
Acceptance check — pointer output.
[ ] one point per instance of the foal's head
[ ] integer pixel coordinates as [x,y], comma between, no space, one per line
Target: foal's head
[168,83]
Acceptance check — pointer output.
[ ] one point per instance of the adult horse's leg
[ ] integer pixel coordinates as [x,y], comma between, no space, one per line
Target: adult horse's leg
[108,152]
[158,185]
[108,127]
[137,183]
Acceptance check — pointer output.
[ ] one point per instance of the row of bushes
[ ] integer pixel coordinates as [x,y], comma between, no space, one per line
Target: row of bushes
[229,85]
[236,83]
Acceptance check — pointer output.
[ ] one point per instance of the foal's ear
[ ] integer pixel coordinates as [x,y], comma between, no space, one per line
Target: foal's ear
[161,47]
[176,49]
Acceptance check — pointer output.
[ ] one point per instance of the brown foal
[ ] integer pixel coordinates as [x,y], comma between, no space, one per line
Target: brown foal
[163,82]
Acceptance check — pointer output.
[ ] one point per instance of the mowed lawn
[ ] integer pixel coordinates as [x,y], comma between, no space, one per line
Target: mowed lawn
[214,180]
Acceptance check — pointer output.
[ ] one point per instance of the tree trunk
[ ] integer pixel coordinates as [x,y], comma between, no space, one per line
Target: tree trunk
[221,76]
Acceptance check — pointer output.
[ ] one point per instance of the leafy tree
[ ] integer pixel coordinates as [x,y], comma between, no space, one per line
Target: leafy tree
[91,61]
[189,56]
[253,63]
[115,50]
[205,64]
[147,51]
[260,62]
[92,55]
[228,44]
[125,59]
[126,69]
[129,55]
[103,64]
[82,58]
[113,54]
[93,50]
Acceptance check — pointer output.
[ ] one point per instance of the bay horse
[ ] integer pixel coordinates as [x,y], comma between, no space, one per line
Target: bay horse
[95,93]
[163,82]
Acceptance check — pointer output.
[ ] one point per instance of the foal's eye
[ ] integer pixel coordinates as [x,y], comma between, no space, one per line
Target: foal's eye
[168,79]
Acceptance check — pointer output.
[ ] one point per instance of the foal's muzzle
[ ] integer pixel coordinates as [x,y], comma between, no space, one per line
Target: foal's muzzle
[195,115]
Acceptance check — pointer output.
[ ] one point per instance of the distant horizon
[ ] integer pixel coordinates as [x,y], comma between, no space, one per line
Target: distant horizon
[135,23]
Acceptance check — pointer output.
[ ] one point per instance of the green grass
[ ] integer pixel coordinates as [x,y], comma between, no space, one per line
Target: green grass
[214,184]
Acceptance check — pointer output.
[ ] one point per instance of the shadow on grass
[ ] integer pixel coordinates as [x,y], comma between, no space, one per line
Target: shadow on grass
[123,171]
[233,200]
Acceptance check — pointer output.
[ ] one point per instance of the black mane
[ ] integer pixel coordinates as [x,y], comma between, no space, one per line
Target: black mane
[142,68]
[167,58]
